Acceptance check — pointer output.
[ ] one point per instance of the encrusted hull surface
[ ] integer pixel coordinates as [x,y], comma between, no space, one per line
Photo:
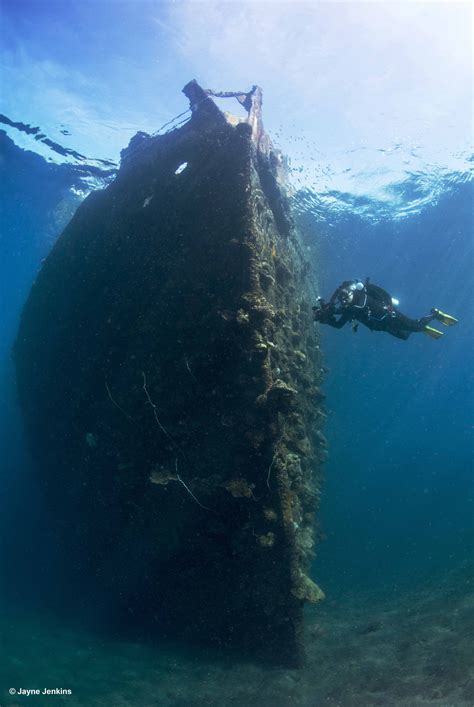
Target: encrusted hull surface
[169,377]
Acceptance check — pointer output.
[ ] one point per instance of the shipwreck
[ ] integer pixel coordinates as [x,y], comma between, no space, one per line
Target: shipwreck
[169,378]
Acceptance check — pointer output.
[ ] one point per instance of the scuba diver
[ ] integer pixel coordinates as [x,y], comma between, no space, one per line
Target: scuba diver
[373,306]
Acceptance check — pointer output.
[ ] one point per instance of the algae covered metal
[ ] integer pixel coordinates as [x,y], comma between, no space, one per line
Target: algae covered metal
[169,374]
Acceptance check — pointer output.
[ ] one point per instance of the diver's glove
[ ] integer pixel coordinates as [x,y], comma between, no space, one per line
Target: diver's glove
[317,311]
[322,311]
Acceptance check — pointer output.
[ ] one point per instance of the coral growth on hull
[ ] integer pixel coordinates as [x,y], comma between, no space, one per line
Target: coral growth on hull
[169,378]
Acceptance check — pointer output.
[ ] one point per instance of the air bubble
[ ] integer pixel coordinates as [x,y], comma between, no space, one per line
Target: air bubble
[181,168]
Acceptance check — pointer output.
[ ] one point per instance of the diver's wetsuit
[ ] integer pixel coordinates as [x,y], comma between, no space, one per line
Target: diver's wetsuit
[372,306]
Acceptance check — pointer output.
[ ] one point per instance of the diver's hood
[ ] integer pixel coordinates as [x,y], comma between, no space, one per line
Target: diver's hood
[346,294]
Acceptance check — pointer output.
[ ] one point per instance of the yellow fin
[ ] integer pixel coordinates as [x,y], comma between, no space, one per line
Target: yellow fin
[446,319]
[434,333]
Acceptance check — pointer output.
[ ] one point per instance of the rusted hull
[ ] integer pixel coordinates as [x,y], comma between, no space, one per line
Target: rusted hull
[168,375]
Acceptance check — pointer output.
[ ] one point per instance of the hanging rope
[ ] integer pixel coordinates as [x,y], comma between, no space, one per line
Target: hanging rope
[170,122]
[243,98]
[185,112]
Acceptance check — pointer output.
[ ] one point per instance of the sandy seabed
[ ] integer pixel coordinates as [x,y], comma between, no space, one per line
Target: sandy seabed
[416,648]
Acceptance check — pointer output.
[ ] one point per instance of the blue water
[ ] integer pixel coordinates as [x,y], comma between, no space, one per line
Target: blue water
[399,493]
